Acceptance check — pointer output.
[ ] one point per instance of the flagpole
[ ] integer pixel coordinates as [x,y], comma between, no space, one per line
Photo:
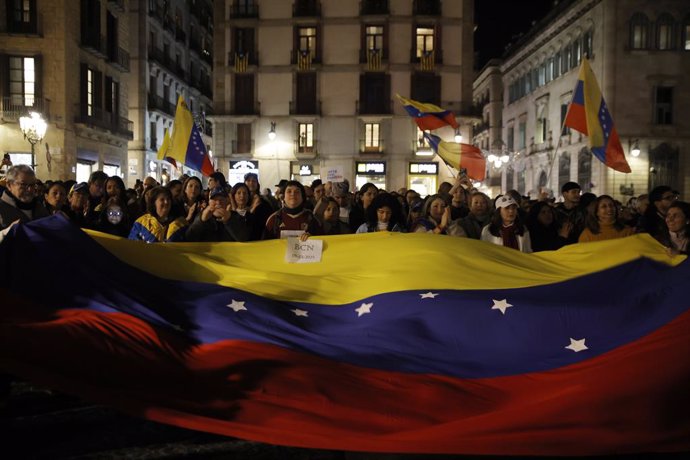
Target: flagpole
[560,133]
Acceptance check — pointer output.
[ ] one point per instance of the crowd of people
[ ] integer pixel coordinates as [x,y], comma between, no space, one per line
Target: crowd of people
[183,210]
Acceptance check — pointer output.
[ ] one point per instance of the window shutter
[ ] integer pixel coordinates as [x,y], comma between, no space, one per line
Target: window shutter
[4,76]
[83,94]
[38,72]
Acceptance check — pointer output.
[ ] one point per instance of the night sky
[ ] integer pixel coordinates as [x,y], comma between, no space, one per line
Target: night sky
[499,22]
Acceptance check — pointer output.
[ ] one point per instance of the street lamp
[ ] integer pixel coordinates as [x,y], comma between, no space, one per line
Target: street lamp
[458,136]
[634,147]
[34,130]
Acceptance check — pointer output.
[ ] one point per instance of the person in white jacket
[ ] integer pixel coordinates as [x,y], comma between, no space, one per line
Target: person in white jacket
[506,228]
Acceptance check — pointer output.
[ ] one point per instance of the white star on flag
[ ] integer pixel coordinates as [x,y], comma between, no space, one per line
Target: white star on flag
[429,295]
[364,309]
[299,312]
[502,305]
[237,305]
[577,345]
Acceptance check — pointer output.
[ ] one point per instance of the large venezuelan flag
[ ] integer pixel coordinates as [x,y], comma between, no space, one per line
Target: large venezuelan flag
[428,116]
[186,144]
[394,342]
[589,115]
[460,155]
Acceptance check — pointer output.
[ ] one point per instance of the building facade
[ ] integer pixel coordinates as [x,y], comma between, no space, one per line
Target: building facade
[321,78]
[71,66]
[640,54]
[172,56]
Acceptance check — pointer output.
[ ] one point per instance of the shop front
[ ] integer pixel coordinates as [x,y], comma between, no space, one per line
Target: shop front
[238,169]
[305,172]
[370,171]
[422,177]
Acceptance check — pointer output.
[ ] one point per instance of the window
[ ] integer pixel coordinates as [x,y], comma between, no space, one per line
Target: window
[584,169]
[540,134]
[372,139]
[686,34]
[305,131]
[663,105]
[549,70]
[565,60]
[564,111]
[522,135]
[374,93]
[153,136]
[521,182]
[664,32]
[563,169]
[305,83]
[541,80]
[511,138]
[557,65]
[664,166]
[587,44]
[422,142]
[374,38]
[426,87]
[577,54]
[22,81]
[21,15]
[244,138]
[425,41]
[89,92]
[306,41]
[639,31]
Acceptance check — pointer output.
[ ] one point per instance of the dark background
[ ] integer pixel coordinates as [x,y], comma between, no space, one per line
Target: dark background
[501,22]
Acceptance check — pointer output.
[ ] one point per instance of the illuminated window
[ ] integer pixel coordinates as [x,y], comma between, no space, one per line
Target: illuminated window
[306,40]
[22,80]
[371,135]
[639,31]
[425,41]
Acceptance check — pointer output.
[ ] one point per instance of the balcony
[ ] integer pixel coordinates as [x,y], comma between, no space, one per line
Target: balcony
[242,10]
[119,58]
[156,12]
[242,60]
[306,9]
[95,43]
[23,28]
[246,109]
[308,108]
[155,102]
[369,149]
[373,7]
[428,59]
[158,55]
[382,107]
[373,58]
[426,8]
[15,107]
[240,148]
[480,128]
[99,118]
[303,151]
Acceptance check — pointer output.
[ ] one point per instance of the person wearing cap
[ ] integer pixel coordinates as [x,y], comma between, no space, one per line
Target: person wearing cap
[218,222]
[570,215]
[293,216]
[603,222]
[78,199]
[19,201]
[280,191]
[158,224]
[506,227]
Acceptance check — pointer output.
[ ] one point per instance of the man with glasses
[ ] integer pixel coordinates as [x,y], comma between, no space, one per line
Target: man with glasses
[19,202]
[653,221]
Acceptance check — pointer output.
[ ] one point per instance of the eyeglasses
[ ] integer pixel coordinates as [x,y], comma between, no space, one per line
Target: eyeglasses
[25,185]
[114,213]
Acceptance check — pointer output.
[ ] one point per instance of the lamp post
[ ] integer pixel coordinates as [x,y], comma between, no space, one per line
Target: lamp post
[33,128]
[634,147]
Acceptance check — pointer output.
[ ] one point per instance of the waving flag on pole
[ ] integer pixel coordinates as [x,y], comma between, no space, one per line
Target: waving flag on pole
[459,155]
[473,348]
[589,115]
[163,151]
[428,116]
[186,145]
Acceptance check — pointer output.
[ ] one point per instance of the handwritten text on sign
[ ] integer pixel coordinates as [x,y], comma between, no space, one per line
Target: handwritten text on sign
[335,174]
[303,252]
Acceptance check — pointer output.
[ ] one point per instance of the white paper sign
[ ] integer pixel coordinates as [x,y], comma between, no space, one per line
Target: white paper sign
[303,252]
[290,233]
[335,174]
